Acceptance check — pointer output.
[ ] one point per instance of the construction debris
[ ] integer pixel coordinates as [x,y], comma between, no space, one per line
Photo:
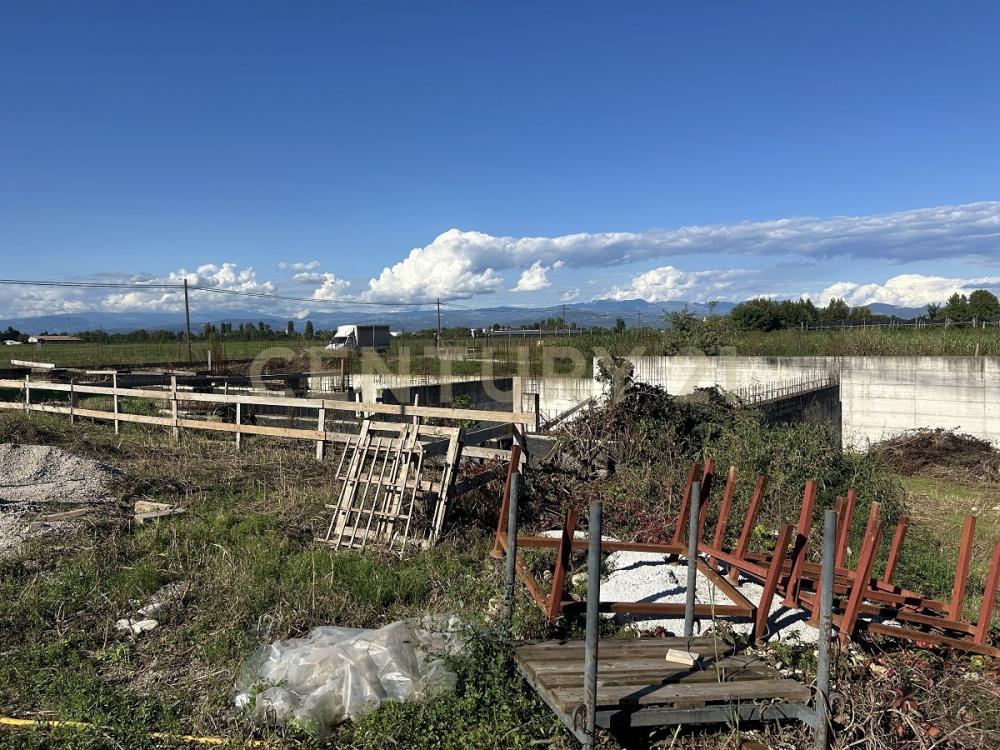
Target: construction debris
[146,510]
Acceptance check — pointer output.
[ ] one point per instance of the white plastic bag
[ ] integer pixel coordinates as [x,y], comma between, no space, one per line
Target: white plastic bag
[336,673]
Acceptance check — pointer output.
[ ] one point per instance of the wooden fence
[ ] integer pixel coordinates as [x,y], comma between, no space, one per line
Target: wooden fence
[174,396]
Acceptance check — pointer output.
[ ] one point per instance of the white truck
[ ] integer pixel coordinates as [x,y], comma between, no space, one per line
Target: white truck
[355,338]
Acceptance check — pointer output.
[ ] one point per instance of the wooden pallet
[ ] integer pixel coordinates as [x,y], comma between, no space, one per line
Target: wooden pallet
[636,686]
[389,493]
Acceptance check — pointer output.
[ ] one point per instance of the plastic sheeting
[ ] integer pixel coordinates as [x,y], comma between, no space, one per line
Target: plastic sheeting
[337,673]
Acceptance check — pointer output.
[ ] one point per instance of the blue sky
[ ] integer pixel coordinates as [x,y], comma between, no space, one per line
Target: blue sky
[533,152]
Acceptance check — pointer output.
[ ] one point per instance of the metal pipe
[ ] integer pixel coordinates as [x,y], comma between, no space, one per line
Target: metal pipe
[825,627]
[593,626]
[512,546]
[692,576]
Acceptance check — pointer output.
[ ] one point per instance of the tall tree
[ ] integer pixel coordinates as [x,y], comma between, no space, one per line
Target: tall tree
[957,307]
[983,304]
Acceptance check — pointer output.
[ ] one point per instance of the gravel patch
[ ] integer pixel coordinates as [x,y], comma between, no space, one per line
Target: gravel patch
[33,477]
[36,474]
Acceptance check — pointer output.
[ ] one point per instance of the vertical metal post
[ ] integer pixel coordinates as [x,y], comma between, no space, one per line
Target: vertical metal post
[511,567]
[825,627]
[114,398]
[72,399]
[692,563]
[593,626]
[27,392]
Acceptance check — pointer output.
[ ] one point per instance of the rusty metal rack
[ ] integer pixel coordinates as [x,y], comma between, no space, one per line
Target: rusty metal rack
[861,601]
[558,602]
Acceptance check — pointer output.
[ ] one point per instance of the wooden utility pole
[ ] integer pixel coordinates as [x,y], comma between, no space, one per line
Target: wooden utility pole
[187,322]
[564,316]
[439,323]
[637,320]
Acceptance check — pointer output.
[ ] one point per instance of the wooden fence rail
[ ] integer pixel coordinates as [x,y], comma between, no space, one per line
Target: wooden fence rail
[173,396]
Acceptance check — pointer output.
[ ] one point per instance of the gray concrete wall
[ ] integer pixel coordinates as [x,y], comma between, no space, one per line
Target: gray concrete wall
[880,396]
[496,394]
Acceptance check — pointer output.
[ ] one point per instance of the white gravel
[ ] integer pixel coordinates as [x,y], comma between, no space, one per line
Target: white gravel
[648,577]
[34,478]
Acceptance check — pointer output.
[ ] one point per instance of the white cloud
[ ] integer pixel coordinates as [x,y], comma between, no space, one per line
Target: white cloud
[309,277]
[533,279]
[332,288]
[460,264]
[228,276]
[298,265]
[906,290]
[668,283]
[569,295]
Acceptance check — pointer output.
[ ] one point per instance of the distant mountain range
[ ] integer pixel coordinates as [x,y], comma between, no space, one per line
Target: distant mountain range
[597,313]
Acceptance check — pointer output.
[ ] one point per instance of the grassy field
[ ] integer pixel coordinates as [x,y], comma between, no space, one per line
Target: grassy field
[550,355]
[251,573]
[166,352]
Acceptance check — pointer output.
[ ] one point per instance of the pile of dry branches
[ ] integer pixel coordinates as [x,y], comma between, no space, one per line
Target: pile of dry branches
[940,452]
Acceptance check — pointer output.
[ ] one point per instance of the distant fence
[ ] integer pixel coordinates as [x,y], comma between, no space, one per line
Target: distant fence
[900,323]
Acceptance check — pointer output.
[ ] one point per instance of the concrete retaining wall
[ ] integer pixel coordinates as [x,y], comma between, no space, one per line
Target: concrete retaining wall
[880,396]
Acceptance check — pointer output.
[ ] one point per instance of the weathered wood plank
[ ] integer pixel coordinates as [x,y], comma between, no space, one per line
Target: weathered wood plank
[710,692]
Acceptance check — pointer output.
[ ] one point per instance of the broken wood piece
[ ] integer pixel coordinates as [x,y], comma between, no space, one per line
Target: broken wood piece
[141,518]
[65,515]
[146,510]
[680,656]
[148,506]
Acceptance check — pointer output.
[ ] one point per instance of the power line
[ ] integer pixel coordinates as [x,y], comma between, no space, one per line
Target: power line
[214,290]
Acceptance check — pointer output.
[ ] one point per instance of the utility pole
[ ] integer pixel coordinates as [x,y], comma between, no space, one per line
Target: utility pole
[637,314]
[187,322]
[439,323]
[564,316]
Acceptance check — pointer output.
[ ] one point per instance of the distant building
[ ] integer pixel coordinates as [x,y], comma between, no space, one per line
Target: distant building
[54,340]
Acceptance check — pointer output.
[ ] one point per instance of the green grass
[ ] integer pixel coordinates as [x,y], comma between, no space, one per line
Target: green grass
[252,573]
[166,352]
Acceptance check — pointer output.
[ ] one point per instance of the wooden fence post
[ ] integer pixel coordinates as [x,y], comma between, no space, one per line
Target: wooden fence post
[239,436]
[321,426]
[114,397]
[173,407]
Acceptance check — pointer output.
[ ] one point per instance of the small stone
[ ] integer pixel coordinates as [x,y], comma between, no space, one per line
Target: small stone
[579,579]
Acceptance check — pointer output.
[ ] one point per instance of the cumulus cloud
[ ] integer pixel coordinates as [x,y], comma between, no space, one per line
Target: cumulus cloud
[227,276]
[906,290]
[533,279]
[332,288]
[668,283]
[461,263]
[569,295]
[298,265]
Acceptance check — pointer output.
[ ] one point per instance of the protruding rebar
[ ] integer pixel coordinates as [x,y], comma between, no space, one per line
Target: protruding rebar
[692,563]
